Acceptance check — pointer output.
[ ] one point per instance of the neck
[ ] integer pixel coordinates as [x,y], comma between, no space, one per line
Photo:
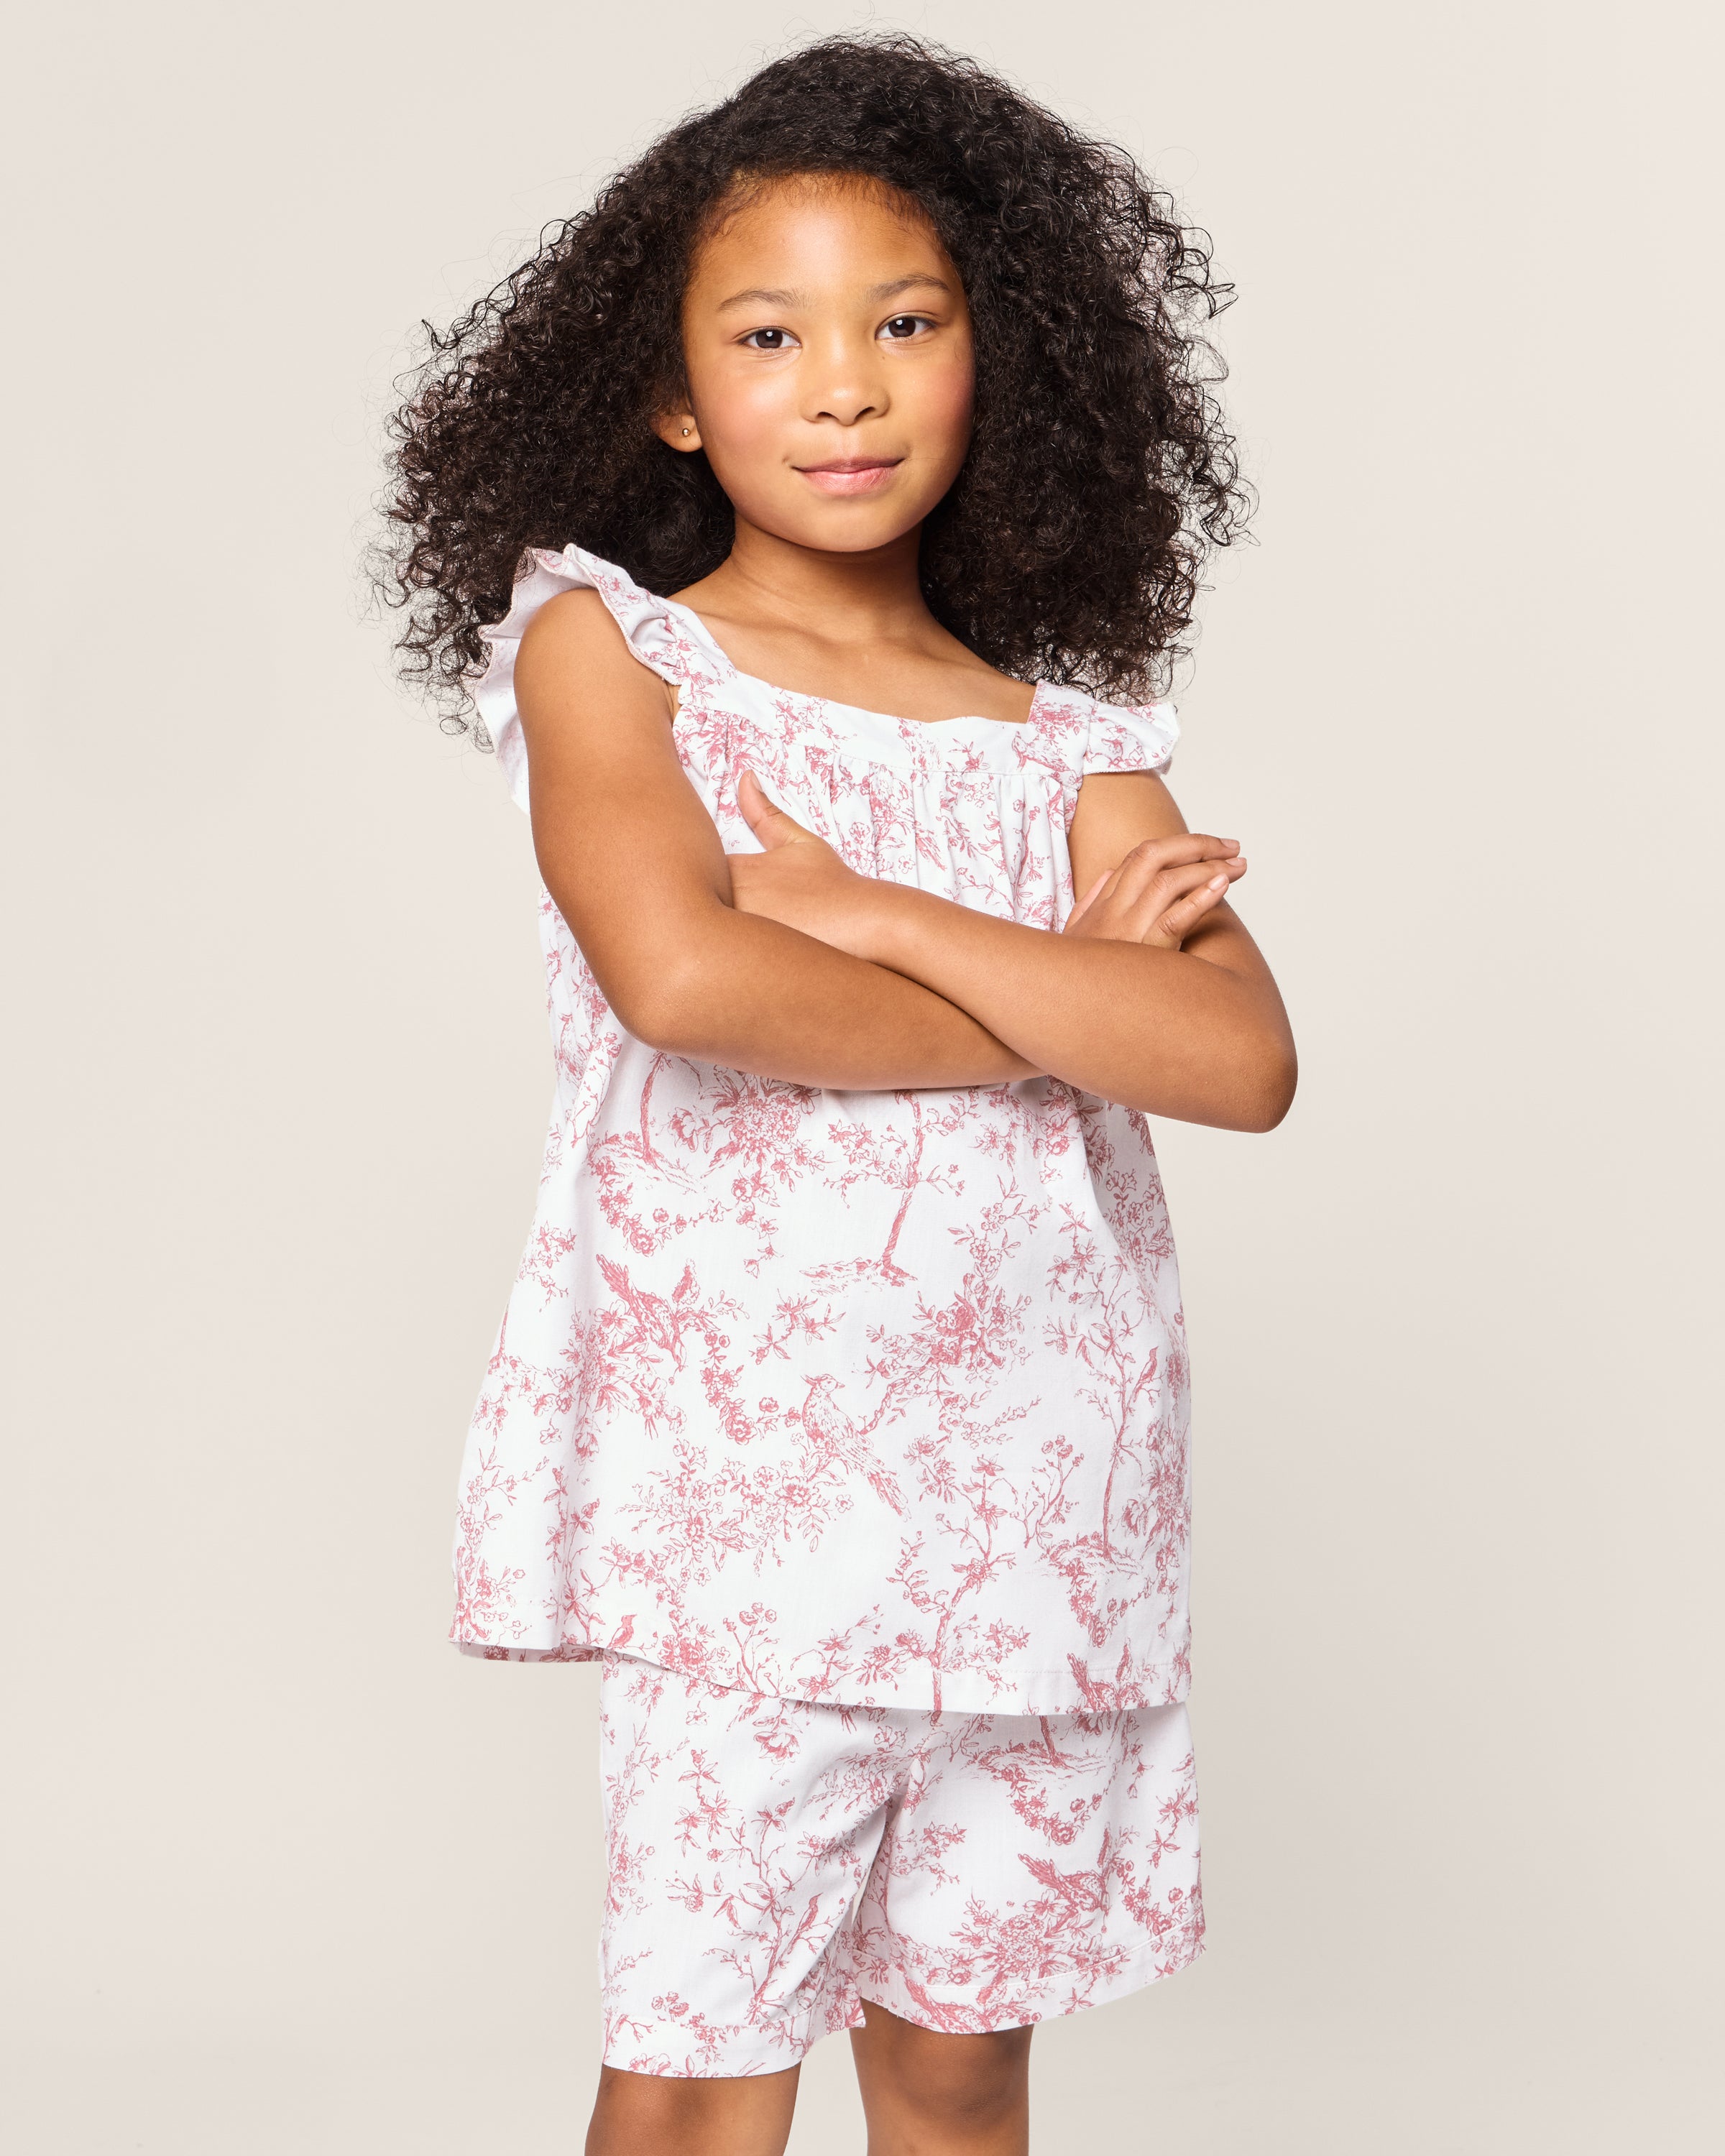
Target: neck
[867,595]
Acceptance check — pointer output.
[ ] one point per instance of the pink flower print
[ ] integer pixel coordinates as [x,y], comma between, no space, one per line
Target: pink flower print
[966,1478]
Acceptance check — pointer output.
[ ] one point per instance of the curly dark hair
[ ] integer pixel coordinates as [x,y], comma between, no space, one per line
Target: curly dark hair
[1100,472]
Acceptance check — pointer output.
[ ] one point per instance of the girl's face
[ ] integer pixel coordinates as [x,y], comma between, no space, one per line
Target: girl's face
[830,367]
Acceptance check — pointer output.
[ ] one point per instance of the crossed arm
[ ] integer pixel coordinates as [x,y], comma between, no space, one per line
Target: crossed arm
[788,963]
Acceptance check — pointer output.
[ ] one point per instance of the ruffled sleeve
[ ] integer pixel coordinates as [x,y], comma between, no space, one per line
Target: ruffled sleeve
[1131,738]
[661,635]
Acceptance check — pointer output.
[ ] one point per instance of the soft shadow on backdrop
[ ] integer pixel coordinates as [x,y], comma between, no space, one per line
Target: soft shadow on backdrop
[286,1874]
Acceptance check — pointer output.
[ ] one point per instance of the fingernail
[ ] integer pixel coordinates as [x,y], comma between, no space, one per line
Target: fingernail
[1218,883]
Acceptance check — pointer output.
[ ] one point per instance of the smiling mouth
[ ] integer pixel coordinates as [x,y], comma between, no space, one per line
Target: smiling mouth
[849,474]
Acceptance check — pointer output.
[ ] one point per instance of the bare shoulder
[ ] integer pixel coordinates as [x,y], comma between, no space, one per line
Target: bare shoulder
[992,694]
[1134,805]
[1116,811]
[573,659]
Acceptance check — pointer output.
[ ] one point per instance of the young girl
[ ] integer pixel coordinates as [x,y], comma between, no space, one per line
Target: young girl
[793,508]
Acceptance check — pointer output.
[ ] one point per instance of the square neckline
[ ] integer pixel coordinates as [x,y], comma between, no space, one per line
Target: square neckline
[834,703]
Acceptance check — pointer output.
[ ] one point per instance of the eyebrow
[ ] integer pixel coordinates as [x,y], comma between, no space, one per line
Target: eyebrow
[757,295]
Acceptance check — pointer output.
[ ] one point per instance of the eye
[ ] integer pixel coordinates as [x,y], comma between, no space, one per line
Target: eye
[905,325]
[769,340]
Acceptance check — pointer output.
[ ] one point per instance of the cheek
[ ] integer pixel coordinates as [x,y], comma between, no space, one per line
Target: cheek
[946,396]
[742,410]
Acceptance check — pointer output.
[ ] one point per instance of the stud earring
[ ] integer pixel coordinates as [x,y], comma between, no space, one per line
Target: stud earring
[686,430]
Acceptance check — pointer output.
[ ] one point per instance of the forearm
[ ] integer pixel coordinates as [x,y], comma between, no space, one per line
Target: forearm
[1157,1029]
[745,991]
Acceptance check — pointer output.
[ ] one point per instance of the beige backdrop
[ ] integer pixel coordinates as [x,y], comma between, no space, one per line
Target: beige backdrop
[286,1873]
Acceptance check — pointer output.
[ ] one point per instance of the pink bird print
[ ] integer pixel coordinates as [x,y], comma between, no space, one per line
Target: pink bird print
[836,1437]
[652,1314]
[745,1300]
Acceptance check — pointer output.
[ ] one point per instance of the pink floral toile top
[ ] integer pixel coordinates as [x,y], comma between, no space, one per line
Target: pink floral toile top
[868,1397]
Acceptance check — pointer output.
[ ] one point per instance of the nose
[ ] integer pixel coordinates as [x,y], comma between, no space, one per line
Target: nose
[847,407]
[846,386]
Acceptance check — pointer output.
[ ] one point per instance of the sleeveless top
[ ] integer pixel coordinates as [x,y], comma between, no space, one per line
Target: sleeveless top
[865,1397]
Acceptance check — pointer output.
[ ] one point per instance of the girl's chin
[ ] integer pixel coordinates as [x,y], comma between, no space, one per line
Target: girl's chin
[840,526]
[846,535]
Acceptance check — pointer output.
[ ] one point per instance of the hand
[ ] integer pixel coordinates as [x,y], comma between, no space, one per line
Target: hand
[1160,892]
[800,881]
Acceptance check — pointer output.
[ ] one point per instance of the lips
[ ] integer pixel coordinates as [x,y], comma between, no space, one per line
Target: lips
[851,474]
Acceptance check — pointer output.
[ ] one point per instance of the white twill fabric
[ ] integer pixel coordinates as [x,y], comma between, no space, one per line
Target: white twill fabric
[773,1862]
[877,1398]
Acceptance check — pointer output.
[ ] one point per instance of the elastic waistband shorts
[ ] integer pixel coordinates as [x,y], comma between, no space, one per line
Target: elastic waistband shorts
[774,1863]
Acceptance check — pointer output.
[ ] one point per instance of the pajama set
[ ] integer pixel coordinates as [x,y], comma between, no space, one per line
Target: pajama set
[848,1432]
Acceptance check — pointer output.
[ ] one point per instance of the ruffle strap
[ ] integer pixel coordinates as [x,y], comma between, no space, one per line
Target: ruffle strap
[1131,738]
[662,635]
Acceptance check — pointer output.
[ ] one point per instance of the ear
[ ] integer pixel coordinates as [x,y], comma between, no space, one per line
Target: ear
[677,427]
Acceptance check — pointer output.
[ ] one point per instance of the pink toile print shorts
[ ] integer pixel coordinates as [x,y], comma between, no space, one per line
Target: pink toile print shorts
[775,1863]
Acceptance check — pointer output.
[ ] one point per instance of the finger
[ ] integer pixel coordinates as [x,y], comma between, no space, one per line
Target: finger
[751,799]
[1153,857]
[770,825]
[1178,883]
[1182,916]
[1140,916]
[1083,905]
